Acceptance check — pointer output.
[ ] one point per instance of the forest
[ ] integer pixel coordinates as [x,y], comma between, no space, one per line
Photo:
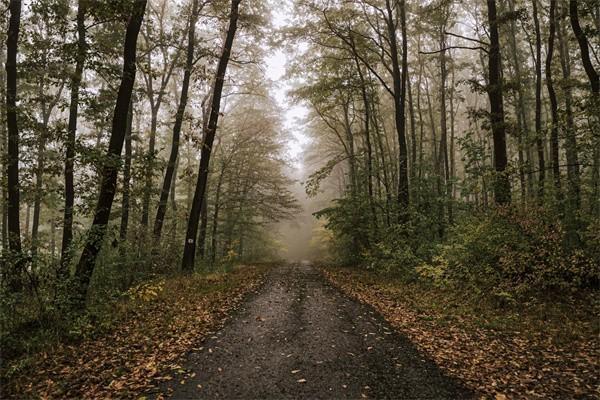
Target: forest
[163,162]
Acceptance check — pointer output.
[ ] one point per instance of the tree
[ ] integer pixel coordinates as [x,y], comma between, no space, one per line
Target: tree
[594,79]
[502,193]
[76,77]
[12,158]
[95,235]
[554,150]
[183,99]
[189,250]
[538,103]
[155,95]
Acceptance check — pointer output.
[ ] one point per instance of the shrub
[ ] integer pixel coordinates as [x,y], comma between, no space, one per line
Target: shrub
[512,251]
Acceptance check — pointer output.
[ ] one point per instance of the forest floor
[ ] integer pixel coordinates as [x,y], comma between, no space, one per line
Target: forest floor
[544,348]
[299,337]
[136,343]
[296,331]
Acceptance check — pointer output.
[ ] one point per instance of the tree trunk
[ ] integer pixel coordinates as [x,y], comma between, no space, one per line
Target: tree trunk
[594,79]
[384,166]
[3,146]
[413,135]
[502,193]
[584,49]
[367,111]
[399,78]
[215,220]
[189,251]
[164,193]
[126,177]
[3,149]
[573,175]
[173,196]
[520,110]
[554,147]
[350,149]
[539,135]
[421,122]
[65,256]
[149,169]
[38,190]
[453,112]
[573,192]
[203,229]
[444,161]
[12,159]
[95,236]
[46,111]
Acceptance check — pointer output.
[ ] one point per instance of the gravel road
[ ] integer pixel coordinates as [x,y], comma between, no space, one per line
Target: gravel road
[300,338]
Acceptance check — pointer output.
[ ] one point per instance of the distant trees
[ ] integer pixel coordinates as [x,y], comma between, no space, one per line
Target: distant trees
[511,120]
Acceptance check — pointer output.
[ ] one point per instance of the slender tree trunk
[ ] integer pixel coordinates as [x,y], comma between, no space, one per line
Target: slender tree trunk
[384,166]
[53,237]
[27,221]
[520,111]
[173,196]
[399,77]
[65,255]
[189,251]
[554,146]
[126,177]
[204,211]
[95,237]
[421,122]
[452,146]
[215,219]
[150,163]
[3,158]
[437,164]
[584,49]
[12,156]
[502,193]
[39,181]
[413,135]
[573,192]
[164,193]
[350,144]
[445,167]
[367,111]
[539,135]
[573,178]
[203,229]
[594,108]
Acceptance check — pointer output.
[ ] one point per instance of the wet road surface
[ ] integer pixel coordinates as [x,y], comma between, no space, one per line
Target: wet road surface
[300,338]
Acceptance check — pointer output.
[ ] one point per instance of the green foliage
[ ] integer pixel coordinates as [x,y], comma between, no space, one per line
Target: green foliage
[349,219]
[512,251]
[403,247]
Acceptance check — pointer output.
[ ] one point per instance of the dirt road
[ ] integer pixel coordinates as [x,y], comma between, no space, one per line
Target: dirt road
[298,337]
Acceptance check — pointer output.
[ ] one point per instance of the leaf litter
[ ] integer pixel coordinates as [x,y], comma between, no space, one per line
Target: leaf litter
[143,348]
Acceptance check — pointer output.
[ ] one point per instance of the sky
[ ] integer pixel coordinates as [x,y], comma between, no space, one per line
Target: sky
[275,69]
